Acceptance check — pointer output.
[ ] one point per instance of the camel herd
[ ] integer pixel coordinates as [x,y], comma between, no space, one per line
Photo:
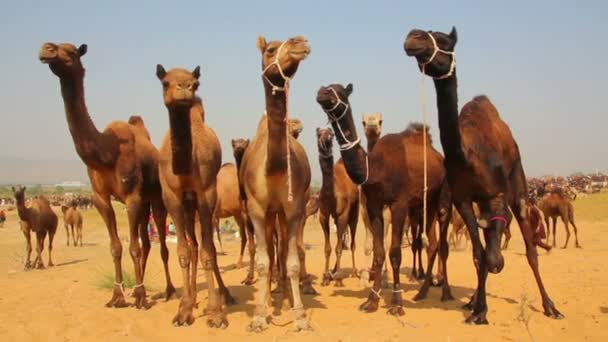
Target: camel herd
[268,191]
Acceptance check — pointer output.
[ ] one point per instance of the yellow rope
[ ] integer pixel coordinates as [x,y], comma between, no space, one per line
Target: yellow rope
[287,135]
[424,119]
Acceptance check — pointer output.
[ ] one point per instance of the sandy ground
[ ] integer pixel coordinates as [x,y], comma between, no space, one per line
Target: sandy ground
[66,302]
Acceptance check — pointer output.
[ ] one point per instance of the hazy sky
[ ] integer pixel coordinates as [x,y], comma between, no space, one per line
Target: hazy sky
[541,63]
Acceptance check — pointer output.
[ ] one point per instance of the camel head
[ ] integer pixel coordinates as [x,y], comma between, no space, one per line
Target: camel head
[179,86]
[19,193]
[295,127]
[239,146]
[494,221]
[432,49]
[332,96]
[372,124]
[280,59]
[325,137]
[63,59]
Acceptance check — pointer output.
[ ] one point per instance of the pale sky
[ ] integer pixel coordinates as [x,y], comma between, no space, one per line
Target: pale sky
[541,63]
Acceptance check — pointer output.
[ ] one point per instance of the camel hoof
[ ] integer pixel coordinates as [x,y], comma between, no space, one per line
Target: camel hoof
[552,312]
[578,246]
[248,280]
[169,292]
[421,275]
[326,279]
[421,295]
[437,282]
[563,247]
[447,297]
[369,306]
[339,283]
[477,319]
[468,306]
[184,315]
[302,324]
[354,273]
[118,299]
[308,289]
[258,324]
[396,310]
[140,298]
[217,321]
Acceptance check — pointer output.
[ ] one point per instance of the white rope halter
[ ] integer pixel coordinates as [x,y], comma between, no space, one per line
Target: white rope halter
[348,144]
[436,50]
[275,87]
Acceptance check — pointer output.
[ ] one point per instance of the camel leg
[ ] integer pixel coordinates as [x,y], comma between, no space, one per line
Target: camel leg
[240,222]
[548,227]
[305,279]
[341,225]
[135,211]
[79,230]
[257,216]
[28,248]
[293,272]
[67,233]
[104,207]
[507,235]
[377,220]
[518,207]
[144,236]
[354,217]
[38,263]
[445,216]
[160,218]
[565,221]
[368,246]
[324,221]
[216,225]
[554,229]
[73,235]
[571,219]
[251,246]
[398,220]
[478,301]
[52,232]
[208,255]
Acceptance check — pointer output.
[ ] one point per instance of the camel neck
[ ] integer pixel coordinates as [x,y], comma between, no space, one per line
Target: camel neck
[327,171]
[276,110]
[94,148]
[238,158]
[22,210]
[372,139]
[181,138]
[447,106]
[355,159]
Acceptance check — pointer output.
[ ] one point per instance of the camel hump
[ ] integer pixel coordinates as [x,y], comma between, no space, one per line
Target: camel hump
[480,104]
[416,128]
[136,120]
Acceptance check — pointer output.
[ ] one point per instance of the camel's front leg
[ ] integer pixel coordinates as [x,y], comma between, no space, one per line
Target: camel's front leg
[293,273]
[375,215]
[257,215]
[160,218]
[28,248]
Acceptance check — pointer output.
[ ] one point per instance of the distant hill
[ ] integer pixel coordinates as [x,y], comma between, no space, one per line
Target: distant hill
[41,171]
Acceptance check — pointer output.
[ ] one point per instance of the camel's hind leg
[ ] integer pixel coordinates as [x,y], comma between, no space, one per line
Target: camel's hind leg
[554,229]
[252,248]
[258,219]
[571,219]
[354,217]
[324,221]
[240,222]
[293,271]
[507,234]
[28,248]
[398,220]
[67,233]
[73,235]
[79,231]
[160,218]
[52,232]
[40,236]
[136,210]
[341,224]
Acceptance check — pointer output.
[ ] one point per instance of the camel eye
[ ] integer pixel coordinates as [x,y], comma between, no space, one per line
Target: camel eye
[271,50]
[165,84]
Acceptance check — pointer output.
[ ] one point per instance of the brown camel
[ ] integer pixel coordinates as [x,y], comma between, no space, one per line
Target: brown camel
[228,202]
[338,200]
[276,175]
[190,160]
[483,165]
[554,205]
[72,218]
[40,219]
[458,224]
[122,163]
[390,175]
[2,218]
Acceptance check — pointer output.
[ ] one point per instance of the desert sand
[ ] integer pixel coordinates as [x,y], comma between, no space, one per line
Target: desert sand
[66,302]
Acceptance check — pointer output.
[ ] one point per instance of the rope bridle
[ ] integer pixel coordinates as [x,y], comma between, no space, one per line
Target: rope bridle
[436,50]
[275,87]
[336,120]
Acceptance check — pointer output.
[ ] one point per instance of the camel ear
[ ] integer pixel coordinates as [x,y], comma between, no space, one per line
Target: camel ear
[160,72]
[318,131]
[349,89]
[363,122]
[197,72]
[82,50]
[261,43]
[454,35]
[233,142]
[379,116]
[247,142]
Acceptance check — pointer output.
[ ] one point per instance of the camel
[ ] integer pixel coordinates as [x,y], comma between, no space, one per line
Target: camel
[72,218]
[554,205]
[492,176]
[2,218]
[275,173]
[190,161]
[121,163]
[228,202]
[390,174]
[338,200]
[40,219]
[458,232]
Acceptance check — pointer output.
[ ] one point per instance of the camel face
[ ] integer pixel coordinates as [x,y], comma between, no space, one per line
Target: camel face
[326,96]
[325,138]
[372,124]
[179,85]
[431,51]
[63,58]
[239,146]
[19,193]
[295,127]
[287,54]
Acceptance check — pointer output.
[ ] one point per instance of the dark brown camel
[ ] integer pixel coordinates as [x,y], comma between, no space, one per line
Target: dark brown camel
[2,218]
[72,218]
[275,173]
[391,174]
[483,165]
[40,219]
[122,164]
[190,160]
[338,200]
[554,205]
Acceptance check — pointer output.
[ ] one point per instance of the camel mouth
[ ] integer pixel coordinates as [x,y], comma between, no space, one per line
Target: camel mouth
[300,54]
[46,59]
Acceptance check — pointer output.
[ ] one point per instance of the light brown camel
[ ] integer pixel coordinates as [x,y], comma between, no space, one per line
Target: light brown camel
[228,202]
[273,160]
[2,218]
[40,219]
[483,165]
[338,200]
[554,205]
[391,174]
[72,218]
[122,164]
[190,160]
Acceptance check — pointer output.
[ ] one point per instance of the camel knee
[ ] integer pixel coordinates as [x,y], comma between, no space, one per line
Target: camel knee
[262,262]
[293,267]
[116,249]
